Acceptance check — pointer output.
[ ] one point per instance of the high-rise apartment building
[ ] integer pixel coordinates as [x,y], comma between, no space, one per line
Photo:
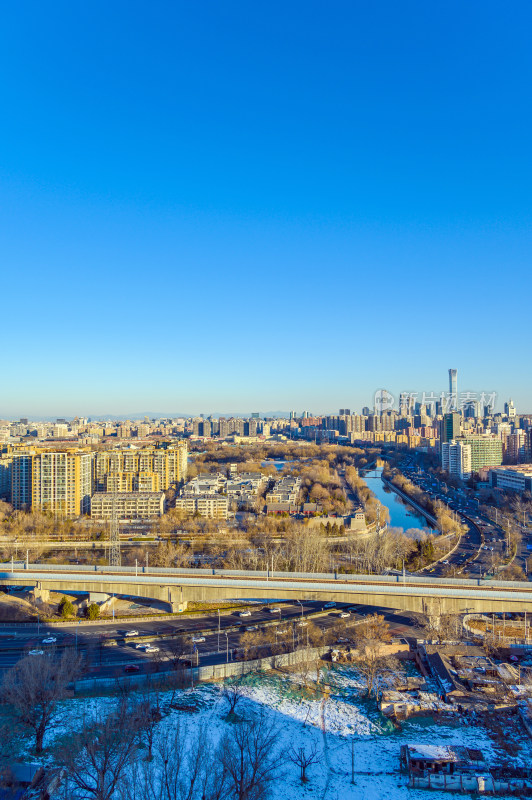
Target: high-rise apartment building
[150,469]
[456,459]
[21,470]
[61,482]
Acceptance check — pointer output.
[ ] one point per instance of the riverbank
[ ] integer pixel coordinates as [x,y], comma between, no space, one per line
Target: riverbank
[401,516]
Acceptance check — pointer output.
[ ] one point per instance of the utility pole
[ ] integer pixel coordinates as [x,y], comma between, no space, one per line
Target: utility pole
[115,559]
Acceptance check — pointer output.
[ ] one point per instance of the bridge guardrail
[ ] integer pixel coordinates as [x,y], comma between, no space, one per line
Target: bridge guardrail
[411,580]
[473,592]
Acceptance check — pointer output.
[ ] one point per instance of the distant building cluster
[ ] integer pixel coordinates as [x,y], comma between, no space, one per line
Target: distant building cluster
[60,467]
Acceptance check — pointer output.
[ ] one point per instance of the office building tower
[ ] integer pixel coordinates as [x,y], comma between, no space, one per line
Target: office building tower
[509,409]
[450,427]
[486,451]
[453,390]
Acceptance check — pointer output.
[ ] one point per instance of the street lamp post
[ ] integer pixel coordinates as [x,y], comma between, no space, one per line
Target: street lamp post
[227,647]
[218,630]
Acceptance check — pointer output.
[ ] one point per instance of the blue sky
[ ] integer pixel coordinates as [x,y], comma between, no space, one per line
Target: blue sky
[239,206]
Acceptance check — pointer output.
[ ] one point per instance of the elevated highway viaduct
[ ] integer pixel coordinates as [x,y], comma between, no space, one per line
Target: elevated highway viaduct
[176,587]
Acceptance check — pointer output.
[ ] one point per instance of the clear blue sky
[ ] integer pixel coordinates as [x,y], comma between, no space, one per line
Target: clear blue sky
[244,206]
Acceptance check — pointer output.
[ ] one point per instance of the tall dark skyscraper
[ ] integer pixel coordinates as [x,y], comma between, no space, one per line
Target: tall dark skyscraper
[453,390]
[450,427]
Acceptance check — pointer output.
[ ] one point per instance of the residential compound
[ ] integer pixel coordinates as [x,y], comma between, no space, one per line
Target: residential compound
[213,495]
[63,481]
[283,497]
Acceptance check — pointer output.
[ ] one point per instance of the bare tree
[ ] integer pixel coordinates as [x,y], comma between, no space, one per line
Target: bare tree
[232,693]
[97,757]
[146,717]
[370,656]
[250,758]
[35,685]
[304,760]
[183,768]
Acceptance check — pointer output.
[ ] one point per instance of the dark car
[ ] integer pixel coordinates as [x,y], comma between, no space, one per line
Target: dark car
[131,668]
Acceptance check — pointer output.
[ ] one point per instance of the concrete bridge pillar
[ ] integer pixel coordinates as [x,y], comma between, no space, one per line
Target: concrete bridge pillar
[175,599]
[40,595]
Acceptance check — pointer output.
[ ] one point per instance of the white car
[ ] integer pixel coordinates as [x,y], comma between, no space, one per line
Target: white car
[251,628]
[198,639]
[49,640]
[283,630]
[36,653]
[151,649]
[245,613]
[140,645]
[131,633]
[302,623]
[275,610]
[345,614]
[330,604]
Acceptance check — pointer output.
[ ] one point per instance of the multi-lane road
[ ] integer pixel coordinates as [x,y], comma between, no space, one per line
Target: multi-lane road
[110,650]
[483,542]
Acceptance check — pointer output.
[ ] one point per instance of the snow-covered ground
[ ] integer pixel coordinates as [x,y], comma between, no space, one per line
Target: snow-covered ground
[337,718]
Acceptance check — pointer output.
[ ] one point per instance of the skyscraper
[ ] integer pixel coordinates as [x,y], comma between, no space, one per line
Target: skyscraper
[450,427]
[453,390]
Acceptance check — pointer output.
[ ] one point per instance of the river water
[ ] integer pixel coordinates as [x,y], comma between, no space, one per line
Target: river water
[401,516]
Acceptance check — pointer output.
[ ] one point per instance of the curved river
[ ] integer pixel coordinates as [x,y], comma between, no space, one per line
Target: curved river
[401,515]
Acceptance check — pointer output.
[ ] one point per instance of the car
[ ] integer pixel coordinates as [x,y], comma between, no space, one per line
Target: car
[150,648]
[345,614]
[274,610]
[198,639]
[36,653]
[49,640]
[283,630]
[131,633]
[342,640]
[245,614]
[131,668]
[251,628]
[140,645]
[302,623]
[330,604]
